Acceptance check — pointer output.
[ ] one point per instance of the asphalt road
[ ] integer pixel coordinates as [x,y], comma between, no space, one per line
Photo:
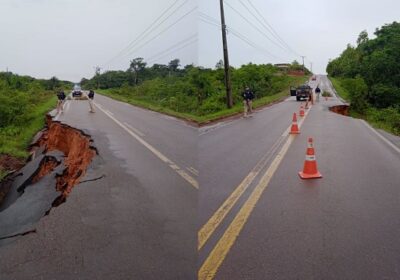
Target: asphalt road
[264,222]
[136,222]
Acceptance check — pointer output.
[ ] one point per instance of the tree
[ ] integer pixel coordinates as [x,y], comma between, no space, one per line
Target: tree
[362,38]
[220,64]
[174,64]
[137,65]
[53,83]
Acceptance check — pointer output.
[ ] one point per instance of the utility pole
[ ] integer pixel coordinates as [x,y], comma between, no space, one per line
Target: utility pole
[311,67]
[97,70]
[303,62]
[229,101]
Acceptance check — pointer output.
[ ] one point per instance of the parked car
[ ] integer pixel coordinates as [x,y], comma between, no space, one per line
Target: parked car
[314,78]
[77,91]
[303,92]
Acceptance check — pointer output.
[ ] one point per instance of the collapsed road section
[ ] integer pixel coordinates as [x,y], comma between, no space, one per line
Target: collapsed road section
[60,156]
[340,109]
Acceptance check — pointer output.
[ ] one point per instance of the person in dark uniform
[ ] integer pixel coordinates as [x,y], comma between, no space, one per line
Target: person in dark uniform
[60,102]
[318,92]
[91,97]
[248,97]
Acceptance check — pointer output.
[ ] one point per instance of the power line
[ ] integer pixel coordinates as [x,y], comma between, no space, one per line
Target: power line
[164,30]
[252,44]
[175,50]
[149,29]
[237,34]
[209,18]
[252,24]
[209,21]
[173,46]
[272,29]
[266,28]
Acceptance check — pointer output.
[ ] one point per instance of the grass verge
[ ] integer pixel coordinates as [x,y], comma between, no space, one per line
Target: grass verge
[387,119]
[341,91]
[147,105]
[236,109]
[15,144]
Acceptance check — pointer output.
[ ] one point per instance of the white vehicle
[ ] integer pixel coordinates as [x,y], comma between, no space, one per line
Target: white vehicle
[77,91]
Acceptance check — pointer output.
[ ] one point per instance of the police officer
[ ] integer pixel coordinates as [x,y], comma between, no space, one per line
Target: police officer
[318,92]
[248,97]
[60,101]
[91,97]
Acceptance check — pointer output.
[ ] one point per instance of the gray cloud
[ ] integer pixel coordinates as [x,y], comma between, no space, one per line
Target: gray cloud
[318,29]
[66,38]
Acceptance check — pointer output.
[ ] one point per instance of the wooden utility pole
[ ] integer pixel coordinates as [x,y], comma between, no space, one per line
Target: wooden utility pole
[303,62]
[229,101]
[97,71]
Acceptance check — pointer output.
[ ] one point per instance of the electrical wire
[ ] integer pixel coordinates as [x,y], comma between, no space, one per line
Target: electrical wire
[164,30]
[252,24]
[240,36]
[175,50]
[148,30]
[263,24]
[271,28]
[190,38]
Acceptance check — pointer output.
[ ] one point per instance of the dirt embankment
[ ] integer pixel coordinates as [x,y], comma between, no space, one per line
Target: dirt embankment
[9,165]
[341,109]
[77,151]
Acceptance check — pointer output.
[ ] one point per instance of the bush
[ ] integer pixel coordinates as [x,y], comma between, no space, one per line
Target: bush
[358,92]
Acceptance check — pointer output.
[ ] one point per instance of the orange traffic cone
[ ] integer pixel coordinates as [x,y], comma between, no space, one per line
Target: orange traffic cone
[301,114]
[306,105]
[310,170]
[295,128]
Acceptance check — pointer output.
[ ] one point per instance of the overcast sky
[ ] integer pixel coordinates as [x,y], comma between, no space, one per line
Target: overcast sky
[317,29]
[67,38]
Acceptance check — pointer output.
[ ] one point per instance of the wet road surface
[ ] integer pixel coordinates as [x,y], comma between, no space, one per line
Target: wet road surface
[133,216]
[343,226]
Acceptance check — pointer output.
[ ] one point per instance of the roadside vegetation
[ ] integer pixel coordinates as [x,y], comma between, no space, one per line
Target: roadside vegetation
[368,76]
[191,92]
[24,101]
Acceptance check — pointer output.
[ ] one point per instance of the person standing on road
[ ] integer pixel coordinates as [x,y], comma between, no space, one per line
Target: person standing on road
[91,97]
[318,92]
[60,101]
[248,97]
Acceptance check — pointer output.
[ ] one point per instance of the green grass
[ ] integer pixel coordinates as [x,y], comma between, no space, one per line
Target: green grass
[386,119]
[202,119]
[343,93]
[238,108]
[147,105]
[16,145]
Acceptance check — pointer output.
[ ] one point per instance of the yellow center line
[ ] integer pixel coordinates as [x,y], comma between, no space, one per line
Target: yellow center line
[157,153]
[210,267]
[210,226]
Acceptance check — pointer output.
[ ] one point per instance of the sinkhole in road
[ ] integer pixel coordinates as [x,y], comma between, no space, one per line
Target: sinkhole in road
[340,109]
[78,153]
[60,157]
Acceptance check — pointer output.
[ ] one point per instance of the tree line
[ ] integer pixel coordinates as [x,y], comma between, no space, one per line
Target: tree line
[189,89]
[370,71]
